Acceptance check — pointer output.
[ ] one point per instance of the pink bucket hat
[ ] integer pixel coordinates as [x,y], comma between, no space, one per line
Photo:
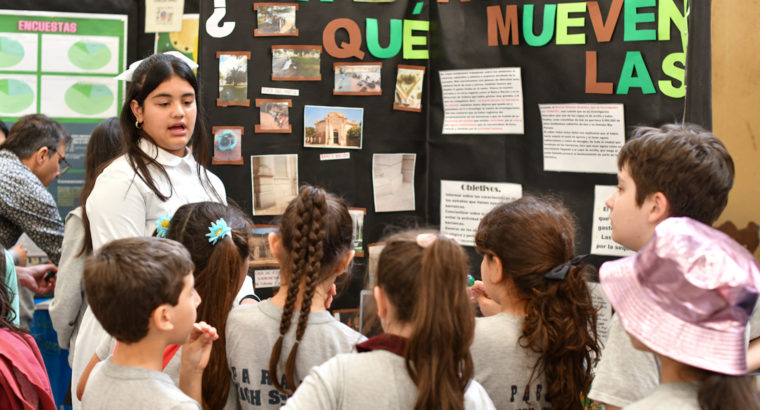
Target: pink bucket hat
[687,294]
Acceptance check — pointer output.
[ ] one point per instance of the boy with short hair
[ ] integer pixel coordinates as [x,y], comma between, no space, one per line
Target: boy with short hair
[674,170]
[142,291]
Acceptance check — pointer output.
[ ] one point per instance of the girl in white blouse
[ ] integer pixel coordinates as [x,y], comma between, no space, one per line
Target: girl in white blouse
[158,172]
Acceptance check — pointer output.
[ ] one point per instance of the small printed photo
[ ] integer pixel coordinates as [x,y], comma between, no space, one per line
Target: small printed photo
[393,182]
[408,96]
[374,250]
[233,78]
[274,116]
[332,127]
[349,317]
[374,1]
[357,79]
[227,145]
[274,180]
[275,19]
[296,63]
[357,217]
[261,254]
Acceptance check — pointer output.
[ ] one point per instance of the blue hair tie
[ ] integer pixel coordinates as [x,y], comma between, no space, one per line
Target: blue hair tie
[162,225]
[218,230]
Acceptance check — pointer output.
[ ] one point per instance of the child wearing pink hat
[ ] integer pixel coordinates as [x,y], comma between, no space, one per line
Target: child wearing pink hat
[687,296]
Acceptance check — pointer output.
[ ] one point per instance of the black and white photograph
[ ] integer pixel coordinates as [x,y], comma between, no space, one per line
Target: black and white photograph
[393,182]
[274,180]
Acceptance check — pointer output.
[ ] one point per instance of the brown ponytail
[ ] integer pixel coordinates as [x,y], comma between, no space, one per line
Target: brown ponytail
[315,232]
[531,236]
[217,279]
[426,286]
[719,391]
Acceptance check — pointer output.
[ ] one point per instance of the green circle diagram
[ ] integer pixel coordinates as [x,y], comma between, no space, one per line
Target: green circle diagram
[11,52]
[88,99]
[15,95]
[89,55]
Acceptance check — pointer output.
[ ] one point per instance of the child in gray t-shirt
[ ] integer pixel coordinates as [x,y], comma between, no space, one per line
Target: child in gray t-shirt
[273,345]
[538,351]
[142,291]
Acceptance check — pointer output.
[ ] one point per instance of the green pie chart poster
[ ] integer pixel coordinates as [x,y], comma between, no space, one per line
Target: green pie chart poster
[11,52]
[16,96]
[88,99]
[89,55]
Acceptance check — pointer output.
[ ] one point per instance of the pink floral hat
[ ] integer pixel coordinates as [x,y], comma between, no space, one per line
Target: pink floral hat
[687,294]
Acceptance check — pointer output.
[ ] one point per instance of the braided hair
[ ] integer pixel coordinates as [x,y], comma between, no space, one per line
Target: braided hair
[316,231]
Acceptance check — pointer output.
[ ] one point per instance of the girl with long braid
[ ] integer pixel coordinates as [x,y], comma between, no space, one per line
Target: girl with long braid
[267,352]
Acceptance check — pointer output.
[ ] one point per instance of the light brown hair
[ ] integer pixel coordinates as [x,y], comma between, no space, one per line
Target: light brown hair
[427,288]
[217,279]
[127,279]
[531,236]
[685,162]
[316,232]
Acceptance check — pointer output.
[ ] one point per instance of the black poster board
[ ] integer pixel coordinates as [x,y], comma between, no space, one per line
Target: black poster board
[457,39]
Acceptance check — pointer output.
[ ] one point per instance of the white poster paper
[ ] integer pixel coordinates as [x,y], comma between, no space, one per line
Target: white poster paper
[79,97]
[464,203]
[582,137]
[601,230]
[18,52]
[163,15]
[604,310]
[266,278]
[482,101]
[18,95]
[80,54]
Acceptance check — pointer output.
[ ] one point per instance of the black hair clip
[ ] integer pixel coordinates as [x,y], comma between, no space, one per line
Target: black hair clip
[559,272]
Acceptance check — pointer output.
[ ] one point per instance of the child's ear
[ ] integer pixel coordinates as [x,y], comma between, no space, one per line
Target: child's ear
[659,209]
[275,245]
[380,302]
[163,317]
[343,265]
[498,274]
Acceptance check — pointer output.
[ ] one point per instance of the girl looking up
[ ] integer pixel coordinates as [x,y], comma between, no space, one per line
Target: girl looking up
[538,351]
[422,361]
[272,345]
[221,265]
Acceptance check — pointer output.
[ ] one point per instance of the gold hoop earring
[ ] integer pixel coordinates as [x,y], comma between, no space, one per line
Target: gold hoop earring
[138,124]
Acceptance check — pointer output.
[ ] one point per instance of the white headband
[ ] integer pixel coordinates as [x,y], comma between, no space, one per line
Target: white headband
[127,75]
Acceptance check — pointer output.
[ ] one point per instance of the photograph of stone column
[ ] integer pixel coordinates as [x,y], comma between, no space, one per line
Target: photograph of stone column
[393,182]
[274,180]
[332,127]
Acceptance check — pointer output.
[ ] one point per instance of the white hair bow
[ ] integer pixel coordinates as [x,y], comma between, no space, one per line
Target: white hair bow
[127,75]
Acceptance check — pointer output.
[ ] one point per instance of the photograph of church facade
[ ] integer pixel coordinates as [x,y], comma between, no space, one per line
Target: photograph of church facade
[332,127]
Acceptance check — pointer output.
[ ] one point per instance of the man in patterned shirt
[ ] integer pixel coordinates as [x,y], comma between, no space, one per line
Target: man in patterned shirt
[30,159]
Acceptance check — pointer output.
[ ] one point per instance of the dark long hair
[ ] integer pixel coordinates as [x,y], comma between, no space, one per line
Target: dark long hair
[153,71]
[7,315]
[217,279]
[531,236]
[427,288]
[315,232]
[719,391]
[104,146]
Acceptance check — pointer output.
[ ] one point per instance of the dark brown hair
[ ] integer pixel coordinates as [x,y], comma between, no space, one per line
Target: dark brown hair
[153,71]
[427,288]
[32,132]
[217,279]
[104,146]
[720,391]
[685,162]
[7,315]
[531,236]
[315,232]
[127,279]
